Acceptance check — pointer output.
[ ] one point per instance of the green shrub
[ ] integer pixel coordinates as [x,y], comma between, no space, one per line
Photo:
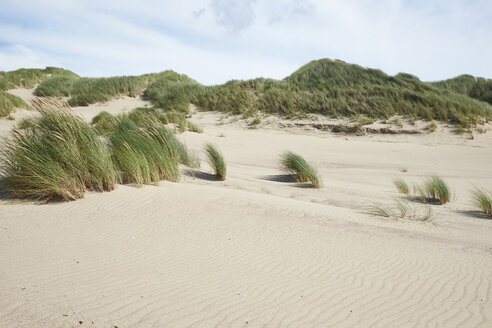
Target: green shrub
[483,201]
[402,186]
[60,157]
[300,169]
[216,161]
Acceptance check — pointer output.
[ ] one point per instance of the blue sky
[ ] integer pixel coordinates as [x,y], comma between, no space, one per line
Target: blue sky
[214,41]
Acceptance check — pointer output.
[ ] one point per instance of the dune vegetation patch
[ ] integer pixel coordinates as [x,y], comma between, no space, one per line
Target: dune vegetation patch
[57,156]
[300,169]
[106,123]
[8,103]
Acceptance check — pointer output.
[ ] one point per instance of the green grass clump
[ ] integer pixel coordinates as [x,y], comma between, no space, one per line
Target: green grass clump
[61,156]
[434,189]
[216,161]
[173,91]
[300,169]
[59,85]
[140,157]
[483,201]
[402,186]
[9,102]
[149,153]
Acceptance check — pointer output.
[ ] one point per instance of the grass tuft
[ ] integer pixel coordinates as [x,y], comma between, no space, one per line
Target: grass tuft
[300,169]
[216,161]
[402,186]
[483,201]
[434,189]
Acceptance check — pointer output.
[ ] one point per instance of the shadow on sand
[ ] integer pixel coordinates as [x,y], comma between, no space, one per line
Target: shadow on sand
[201,175]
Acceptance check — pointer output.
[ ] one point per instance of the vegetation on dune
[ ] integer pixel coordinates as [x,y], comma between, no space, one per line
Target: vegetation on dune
[327,87]
[216,161]
[8,103]
[59,156]
[483,200]
[26,77]
[173,91]
[335,88]
[105,123]
[300,169]
[475,87]
[59,85]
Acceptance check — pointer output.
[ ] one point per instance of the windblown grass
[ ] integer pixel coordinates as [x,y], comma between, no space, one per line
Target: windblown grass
[301,170]
[434,189]
[483,201]
[59,157]
[8,103]
[402,186]
[216,161]
[140,155]
[402,210]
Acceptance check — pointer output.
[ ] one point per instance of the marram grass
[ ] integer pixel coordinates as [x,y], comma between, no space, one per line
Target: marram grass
[216,161]
[402,210]
[483,201]
[401,186]
[301,170]
[434,189]
[140,155]
[60,156]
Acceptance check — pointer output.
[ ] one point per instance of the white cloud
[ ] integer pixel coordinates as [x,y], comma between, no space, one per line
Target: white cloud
[217,40]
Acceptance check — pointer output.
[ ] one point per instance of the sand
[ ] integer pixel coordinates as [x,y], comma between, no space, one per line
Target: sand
[258,250]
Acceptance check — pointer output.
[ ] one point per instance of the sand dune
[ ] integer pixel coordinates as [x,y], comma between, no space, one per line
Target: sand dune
[257,250]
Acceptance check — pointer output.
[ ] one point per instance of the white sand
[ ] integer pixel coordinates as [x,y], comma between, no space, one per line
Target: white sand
[255,251]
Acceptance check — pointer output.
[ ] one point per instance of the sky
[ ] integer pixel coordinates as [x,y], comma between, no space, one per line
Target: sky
[214,41]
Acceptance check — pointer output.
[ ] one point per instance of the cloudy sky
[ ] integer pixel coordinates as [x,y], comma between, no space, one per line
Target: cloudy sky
[217,40]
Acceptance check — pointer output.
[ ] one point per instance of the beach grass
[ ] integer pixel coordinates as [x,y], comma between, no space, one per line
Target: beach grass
[483,201]
[216,161]
[434,190]
[300,169]
[401,186]
[140,156]
[9,102]
[61,156]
